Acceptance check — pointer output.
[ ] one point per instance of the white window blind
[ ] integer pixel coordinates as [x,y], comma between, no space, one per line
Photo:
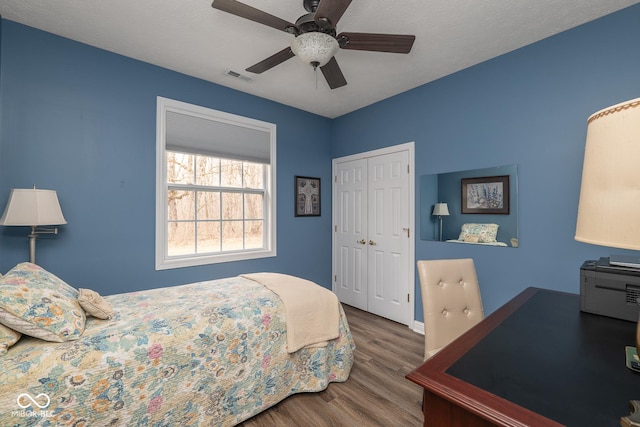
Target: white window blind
[217,138]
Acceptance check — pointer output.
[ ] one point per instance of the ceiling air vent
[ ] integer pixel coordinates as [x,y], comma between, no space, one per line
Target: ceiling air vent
[238,76]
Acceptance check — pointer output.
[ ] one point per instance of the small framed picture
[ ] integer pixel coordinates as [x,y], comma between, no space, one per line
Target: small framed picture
[307,196]
[485,195]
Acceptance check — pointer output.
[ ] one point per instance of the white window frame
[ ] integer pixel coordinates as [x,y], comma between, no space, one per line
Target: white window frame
[163,260]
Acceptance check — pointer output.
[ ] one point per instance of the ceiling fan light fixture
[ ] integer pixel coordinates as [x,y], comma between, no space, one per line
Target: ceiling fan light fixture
[315,48]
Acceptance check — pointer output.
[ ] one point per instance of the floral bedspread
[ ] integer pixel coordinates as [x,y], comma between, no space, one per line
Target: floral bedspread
[204,354]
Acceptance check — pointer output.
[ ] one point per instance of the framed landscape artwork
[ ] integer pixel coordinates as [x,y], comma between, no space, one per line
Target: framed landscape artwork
[485,195]
[307,196]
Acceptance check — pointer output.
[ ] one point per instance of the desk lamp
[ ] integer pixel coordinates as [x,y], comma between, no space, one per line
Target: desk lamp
[440,209]
[609,206]
[35,208]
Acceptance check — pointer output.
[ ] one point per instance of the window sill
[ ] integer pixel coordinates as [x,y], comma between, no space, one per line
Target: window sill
[180,262]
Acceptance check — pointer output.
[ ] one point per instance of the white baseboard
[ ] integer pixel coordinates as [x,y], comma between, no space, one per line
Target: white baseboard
[418,327]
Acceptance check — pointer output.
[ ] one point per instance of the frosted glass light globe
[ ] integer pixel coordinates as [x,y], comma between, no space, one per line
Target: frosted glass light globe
[315,49]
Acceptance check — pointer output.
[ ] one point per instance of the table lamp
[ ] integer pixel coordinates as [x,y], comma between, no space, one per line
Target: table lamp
[610,192]
[440,209]
[34,208]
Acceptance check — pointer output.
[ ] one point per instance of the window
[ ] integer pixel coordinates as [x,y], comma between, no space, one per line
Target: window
[215,198]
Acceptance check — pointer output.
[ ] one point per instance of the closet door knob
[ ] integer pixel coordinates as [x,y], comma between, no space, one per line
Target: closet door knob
[372,243]
[362,242]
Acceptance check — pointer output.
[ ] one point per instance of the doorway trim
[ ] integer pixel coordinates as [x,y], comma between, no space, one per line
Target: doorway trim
[410,147]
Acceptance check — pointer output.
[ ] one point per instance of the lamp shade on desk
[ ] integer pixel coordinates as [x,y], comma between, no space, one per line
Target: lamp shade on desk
[609,206]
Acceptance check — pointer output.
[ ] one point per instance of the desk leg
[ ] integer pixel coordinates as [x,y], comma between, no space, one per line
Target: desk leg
[440,412]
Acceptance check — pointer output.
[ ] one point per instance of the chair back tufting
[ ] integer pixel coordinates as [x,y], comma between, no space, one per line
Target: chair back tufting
[450,299]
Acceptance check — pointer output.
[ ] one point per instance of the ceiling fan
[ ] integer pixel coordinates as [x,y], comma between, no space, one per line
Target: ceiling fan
[315,40]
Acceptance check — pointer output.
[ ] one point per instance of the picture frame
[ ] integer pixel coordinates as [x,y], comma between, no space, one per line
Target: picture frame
[307,196]
[485,195]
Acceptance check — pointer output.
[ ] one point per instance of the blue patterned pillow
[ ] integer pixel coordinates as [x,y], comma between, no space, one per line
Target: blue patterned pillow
[39,304]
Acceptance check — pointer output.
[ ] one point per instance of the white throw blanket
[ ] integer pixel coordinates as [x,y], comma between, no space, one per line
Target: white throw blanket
[312,312]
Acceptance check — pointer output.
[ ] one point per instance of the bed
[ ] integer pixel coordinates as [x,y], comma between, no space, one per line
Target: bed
[212,353]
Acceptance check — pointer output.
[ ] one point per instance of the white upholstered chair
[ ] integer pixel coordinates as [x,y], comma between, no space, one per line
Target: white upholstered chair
[450,299]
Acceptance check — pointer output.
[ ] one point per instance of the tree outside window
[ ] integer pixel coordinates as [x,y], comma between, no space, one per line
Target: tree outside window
[215,205]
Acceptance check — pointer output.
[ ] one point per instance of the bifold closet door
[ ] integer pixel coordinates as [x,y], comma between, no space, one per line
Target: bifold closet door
[372,233]
[388,235]
[352,247]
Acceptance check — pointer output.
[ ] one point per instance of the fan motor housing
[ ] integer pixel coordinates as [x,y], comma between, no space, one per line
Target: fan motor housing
[310,5]
[308,24]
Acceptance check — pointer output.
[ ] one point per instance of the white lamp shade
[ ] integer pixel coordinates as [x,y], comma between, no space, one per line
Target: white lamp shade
[32,207]
[441,209]
[609,208]
[315,47]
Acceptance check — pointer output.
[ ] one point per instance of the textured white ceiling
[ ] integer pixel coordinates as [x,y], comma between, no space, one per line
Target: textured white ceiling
[191,37]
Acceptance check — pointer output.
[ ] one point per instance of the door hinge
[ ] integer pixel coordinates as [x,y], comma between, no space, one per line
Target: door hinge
[408,168]
[335,228]
[408,230]
[335,277]
[408,298]
[335,178]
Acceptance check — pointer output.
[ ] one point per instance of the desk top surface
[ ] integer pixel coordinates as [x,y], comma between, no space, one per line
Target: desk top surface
[552,359]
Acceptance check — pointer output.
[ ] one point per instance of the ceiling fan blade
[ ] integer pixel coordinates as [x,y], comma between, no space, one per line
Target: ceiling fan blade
[271,61]
[394,43]
[331,10]
[333,74]
[244,11]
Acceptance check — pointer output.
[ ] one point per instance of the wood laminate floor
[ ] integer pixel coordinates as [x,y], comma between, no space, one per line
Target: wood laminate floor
[376,393]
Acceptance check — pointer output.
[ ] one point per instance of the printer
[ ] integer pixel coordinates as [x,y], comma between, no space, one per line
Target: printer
[610,290]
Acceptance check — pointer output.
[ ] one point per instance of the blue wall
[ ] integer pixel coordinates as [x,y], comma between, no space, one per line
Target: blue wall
[81,121]
[529,108]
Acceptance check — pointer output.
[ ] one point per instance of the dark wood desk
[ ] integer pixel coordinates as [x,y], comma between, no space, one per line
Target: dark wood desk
[536,361]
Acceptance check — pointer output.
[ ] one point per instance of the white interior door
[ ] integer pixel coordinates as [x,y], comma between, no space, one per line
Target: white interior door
[388,225]
[351,233]
[373,257]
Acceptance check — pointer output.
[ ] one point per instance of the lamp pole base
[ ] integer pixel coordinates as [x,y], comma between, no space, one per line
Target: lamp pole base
[32,245]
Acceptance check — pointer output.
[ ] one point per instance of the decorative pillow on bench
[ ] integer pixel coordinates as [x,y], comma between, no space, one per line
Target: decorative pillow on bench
[478,233]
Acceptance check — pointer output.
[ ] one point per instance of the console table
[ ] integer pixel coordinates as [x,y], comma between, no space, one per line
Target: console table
[536,361]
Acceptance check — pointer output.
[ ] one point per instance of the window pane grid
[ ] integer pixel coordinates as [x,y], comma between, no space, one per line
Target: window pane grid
[218,208]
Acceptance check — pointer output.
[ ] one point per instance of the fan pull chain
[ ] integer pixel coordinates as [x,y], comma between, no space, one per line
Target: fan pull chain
[315,64]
